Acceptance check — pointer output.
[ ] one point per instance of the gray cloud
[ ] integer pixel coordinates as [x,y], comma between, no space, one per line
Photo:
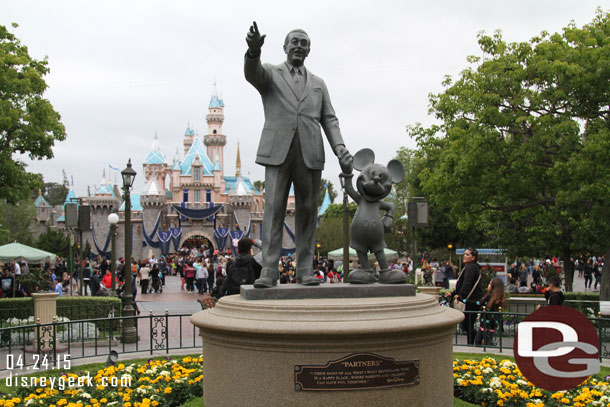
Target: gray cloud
[121,71]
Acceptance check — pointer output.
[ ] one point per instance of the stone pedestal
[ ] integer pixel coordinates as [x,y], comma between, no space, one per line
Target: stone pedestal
[252,351]
[434,291]
[45,309]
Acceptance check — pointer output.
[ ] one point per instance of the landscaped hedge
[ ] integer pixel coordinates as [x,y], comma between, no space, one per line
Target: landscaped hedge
[76,308]
[21,308]
[73,308]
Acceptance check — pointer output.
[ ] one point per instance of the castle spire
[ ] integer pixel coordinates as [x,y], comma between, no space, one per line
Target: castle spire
[238,162]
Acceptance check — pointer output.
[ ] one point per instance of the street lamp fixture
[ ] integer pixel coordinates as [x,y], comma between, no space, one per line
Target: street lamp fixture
[129,175]
[130,334]
[113,219]
[318,246]
[450,247]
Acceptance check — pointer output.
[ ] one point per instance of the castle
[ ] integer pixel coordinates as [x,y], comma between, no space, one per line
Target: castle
[186,203]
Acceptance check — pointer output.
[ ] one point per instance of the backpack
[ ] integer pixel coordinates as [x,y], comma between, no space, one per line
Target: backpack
[239,273]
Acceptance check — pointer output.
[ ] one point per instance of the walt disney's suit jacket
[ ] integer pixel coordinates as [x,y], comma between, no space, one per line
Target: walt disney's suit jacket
[286,114]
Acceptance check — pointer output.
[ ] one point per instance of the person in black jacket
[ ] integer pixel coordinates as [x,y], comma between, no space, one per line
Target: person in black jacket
[469,289]
[553,295]
[244,270]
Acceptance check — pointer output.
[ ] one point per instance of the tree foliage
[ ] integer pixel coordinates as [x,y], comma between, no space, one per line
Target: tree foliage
[53,193]
[521,151]
[336,210]
[330,234]
[331,191]
[259,185]
[16,221]
[441,229]
[54,241]
[28,123]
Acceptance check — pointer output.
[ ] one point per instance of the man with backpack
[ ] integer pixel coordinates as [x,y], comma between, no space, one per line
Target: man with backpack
[243,270]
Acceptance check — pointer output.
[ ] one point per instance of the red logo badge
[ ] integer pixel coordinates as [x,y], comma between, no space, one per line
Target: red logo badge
[556,348]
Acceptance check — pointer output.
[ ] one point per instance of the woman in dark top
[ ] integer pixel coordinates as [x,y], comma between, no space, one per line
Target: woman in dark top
[469,281]
[494,300]
[588,273]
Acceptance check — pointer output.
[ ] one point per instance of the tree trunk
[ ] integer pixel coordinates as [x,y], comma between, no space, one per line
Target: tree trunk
[604,290]
[568,268]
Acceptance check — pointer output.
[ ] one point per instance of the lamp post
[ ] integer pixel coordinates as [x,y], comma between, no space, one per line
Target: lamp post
[345,231]
[113,219]
[130,334]
[450,247]
[318,245]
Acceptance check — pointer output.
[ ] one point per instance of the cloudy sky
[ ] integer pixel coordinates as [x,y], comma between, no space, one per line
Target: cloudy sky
[122,71]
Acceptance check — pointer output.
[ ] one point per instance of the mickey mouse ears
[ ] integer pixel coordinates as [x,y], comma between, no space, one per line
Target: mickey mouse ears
[366,156]
[397,171]
[363,158]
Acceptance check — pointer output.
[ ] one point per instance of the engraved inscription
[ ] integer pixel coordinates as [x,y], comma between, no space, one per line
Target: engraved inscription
[357,371]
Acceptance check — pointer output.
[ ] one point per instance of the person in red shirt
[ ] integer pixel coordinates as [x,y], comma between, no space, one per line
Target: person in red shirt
[107,279]
[334,277]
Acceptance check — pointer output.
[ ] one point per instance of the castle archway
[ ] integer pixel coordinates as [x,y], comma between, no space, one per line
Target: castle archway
[196,239]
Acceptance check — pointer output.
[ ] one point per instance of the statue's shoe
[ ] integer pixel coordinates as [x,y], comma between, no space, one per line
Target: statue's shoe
[265,282]
[392,277]
[309,280]
[361,277]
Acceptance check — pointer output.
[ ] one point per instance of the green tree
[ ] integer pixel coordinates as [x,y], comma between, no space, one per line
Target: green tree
[259,185]
[331,191]
[330,234]
[28,123]
[53,193]
[518,129]
[441,229]
[336,210]
[54,241]
[16,221]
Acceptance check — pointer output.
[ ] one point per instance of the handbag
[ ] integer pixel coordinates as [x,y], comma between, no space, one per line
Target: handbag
[461,306]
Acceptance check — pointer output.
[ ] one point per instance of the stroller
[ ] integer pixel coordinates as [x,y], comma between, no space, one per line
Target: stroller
[156,280]
[428,273]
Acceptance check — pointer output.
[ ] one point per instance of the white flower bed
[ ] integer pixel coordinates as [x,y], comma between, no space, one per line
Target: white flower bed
[78,331]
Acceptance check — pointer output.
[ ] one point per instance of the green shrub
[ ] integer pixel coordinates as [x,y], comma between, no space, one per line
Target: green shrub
[73,308]
[77,308]
[20,308]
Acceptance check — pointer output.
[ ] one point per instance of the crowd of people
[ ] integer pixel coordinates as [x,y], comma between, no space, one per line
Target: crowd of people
[203,270]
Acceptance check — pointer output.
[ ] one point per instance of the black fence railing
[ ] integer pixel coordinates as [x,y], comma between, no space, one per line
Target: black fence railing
[498,330]
[32,344]
[15,316]
[29,345]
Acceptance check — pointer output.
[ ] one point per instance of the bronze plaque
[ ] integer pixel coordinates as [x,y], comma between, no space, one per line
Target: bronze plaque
[358,371]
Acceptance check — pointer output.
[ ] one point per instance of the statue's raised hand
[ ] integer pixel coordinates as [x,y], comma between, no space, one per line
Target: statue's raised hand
[255,40]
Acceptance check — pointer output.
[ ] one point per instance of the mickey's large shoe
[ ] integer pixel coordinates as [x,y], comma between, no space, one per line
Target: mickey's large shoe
[392,277]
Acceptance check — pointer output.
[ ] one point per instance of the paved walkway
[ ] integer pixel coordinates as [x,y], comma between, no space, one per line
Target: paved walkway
[173,299]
